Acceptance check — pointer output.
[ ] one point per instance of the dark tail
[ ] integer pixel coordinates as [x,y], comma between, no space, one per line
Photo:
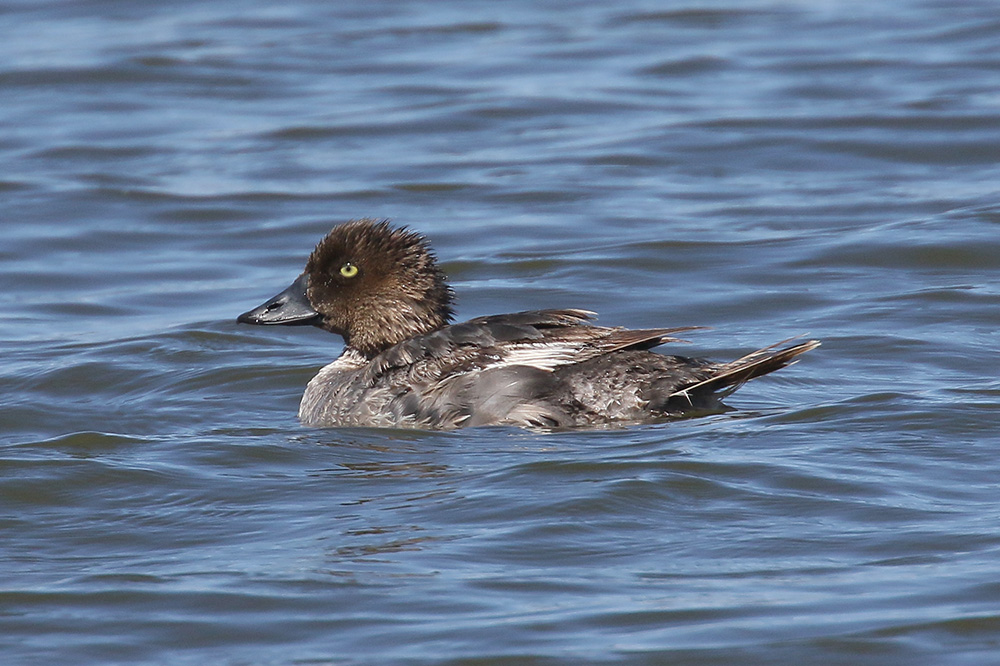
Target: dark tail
[731,376]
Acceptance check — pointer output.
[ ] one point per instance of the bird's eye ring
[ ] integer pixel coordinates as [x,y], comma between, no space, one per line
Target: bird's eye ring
[348,270]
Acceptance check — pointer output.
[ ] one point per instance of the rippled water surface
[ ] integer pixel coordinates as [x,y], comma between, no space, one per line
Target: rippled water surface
[764,168]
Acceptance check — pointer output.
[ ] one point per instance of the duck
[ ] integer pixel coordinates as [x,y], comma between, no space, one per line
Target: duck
[406,365]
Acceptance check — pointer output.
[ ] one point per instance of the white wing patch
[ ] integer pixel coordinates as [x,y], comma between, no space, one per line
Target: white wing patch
[544,356]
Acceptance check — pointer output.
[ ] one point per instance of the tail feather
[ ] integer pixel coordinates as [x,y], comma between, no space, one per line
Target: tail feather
[731,376]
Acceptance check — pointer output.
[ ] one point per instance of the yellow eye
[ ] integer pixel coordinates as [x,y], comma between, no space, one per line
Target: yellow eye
[348,270]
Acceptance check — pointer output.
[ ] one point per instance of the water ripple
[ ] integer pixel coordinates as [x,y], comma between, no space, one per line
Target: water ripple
[764,169]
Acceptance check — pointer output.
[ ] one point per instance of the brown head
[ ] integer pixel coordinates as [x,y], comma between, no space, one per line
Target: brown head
[368,282]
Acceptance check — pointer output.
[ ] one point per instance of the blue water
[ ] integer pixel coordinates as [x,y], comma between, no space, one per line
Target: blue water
[767,169]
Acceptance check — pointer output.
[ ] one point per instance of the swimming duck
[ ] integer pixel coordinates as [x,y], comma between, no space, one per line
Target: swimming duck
[405,365]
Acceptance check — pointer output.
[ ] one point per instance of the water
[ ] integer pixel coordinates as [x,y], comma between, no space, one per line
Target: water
[764,168]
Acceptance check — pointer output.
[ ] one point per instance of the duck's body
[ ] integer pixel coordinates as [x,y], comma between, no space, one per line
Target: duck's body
[405,366]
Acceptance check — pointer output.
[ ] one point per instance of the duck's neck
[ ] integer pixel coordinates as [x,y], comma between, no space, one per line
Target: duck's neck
[388,327]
